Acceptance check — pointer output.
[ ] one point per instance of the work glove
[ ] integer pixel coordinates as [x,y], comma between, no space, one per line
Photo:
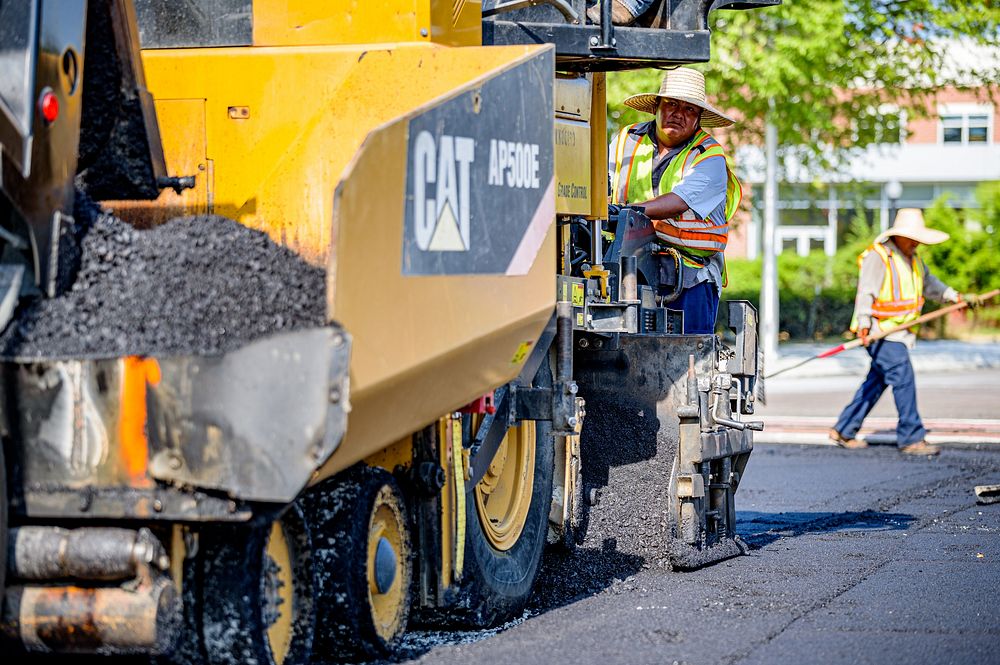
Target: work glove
[973,299]
[863,334]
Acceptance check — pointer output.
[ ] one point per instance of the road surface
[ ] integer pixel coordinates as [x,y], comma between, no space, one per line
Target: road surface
[856,557]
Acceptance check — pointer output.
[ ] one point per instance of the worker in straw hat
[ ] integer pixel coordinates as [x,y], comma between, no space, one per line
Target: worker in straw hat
[680,175]
[891,289]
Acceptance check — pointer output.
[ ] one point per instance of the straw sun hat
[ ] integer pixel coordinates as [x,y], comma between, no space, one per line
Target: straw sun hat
[687,85]
[909,223]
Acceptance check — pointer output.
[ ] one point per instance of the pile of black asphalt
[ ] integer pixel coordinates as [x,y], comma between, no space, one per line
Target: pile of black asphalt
[625,540]
[195,285]
[626,473]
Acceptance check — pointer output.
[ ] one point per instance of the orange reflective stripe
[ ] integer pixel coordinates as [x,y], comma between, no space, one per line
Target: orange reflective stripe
[884,312]
[702,158]
[702,234]
[693,245]
[702,224]
[709,147]
[691,152]
[899,303]
[690,238]
[897,306]
[693,233]
[687,158]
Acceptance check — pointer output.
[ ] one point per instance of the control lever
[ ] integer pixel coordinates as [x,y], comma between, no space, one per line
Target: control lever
[724,420]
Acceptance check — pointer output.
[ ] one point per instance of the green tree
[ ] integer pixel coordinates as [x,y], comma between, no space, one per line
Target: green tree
[834,74]
[844,264]
[827,71]
[970,259]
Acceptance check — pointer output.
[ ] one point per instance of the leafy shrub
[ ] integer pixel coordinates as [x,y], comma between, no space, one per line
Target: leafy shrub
[816,293]
[809,305]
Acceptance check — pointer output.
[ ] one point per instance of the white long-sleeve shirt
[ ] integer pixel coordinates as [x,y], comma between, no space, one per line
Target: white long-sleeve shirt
[870,283]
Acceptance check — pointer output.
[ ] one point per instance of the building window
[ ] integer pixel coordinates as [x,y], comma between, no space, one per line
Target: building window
[979,128]
[965,124]
[951,128]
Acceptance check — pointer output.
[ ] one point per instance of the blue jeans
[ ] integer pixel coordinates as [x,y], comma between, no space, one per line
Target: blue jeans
[700,304]
[890,367]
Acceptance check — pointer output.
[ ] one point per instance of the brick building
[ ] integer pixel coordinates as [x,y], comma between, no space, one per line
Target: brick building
[953,149]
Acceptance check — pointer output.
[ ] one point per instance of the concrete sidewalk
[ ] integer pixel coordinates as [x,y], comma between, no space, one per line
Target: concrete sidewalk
[958,388]
[880,431]
[928,356]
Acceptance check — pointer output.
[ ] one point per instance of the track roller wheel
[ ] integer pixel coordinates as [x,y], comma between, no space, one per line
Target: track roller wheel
[258,593]
[507,524]
[365,562]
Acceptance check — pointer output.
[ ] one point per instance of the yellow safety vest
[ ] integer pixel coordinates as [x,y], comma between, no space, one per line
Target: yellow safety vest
[901,296]
[631,166]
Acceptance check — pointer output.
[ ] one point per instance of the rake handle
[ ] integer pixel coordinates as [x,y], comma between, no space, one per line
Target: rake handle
[930,316]
[855,343]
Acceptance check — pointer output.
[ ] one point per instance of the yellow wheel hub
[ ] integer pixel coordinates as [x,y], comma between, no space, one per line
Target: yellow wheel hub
[279,585]
[503,496]
[388,554]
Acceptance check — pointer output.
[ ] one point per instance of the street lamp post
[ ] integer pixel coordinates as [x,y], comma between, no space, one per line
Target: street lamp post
[893,190]
[769,273]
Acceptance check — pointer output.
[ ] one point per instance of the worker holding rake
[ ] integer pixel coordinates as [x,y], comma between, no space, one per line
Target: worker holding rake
[892,286]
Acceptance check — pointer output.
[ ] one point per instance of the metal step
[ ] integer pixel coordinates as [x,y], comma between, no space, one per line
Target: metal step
[671,32]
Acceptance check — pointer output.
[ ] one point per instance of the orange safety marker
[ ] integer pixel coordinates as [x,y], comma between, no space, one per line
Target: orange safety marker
[133,444]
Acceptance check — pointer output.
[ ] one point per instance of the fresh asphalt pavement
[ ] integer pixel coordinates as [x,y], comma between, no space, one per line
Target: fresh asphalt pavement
[855,557]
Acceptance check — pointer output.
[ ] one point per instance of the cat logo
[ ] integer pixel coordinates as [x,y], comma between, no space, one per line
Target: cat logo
[441,217]
[477,204]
